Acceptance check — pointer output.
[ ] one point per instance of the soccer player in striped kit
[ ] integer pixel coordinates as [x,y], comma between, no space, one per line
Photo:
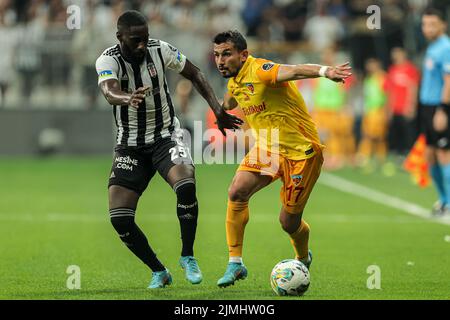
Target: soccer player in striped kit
[131,76]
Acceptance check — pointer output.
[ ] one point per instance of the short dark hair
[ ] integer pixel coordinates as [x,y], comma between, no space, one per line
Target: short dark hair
[131,18]
[232,36]
[430,11]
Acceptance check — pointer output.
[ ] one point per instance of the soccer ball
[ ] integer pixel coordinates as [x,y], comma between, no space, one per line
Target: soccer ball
[289,277]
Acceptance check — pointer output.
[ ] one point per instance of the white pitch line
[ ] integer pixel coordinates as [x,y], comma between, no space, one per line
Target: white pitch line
[357,189]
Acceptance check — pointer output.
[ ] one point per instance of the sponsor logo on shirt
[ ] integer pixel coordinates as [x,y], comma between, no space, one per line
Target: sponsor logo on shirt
[267,66]
[151,69]
[254,109]
[309,151]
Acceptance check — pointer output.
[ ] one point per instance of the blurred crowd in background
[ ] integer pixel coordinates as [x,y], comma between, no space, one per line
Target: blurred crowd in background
[44,65]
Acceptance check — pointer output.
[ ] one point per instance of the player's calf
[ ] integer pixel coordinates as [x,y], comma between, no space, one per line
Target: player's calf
[187,212]
[123,222]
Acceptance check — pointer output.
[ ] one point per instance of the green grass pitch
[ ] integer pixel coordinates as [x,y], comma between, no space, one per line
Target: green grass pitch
[53,213]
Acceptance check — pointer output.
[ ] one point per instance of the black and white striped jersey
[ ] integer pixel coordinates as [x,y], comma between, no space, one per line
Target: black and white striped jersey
[155,118]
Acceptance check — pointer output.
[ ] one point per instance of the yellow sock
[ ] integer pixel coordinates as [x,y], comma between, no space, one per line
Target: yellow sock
[237,218]
[365,148]
[381,150]
[299,240]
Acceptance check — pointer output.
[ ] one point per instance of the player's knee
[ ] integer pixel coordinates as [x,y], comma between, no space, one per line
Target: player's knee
[121,197]
[290,224]
[239,194]
[122,219]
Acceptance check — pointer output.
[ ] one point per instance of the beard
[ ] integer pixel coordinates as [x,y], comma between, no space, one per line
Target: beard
[228,75]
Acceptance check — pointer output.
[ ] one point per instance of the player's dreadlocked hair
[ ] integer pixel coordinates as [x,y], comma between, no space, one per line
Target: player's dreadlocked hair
[232,36]
[131,18]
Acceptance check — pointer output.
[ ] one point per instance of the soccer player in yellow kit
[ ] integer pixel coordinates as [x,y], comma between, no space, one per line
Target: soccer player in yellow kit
[286,146]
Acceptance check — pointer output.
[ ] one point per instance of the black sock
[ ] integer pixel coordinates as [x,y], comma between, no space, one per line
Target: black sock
[187,212]
[123,221]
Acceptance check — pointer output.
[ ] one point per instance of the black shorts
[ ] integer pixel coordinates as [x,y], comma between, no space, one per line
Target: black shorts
[134,167]
[438,139]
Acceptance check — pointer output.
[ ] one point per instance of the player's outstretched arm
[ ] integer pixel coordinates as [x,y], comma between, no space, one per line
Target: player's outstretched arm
[304,71]
[115,96]
[224,119]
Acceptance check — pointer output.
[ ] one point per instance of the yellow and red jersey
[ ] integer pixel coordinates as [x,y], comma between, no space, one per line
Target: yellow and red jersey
[275,111]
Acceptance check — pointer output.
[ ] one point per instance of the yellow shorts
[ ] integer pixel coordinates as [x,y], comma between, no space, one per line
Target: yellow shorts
[374,124]
[326,121]
[298,176]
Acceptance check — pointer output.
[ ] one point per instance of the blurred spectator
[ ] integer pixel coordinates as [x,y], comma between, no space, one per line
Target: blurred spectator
[374,123]
[8,40]
[155,10]
[190,17]
[222,17]
[361,40]
[415,40]
[355,105]
[186,15]
[393,25]
[20,8]
[402,83]
[85,51]
[252,14]
[44,49]
[364,42]
[333,120]
[323,30]
[27,56]
[57,40]
[337,9]
[294,17]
